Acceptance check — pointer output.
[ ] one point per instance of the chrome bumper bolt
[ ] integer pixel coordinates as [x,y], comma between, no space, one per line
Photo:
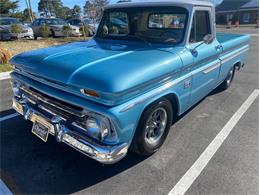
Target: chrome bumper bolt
[27,114]
[57,128]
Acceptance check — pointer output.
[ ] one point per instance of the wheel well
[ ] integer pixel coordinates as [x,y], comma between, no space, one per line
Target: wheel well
[237,65]
[175,104]
[174,101]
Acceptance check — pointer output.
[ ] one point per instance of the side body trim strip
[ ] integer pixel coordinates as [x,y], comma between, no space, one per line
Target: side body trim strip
[172,83]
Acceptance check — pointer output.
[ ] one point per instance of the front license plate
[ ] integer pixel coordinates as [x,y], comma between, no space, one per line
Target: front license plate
[40,130]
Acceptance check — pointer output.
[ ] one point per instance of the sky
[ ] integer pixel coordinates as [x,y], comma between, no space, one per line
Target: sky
[67,3]
[71,3]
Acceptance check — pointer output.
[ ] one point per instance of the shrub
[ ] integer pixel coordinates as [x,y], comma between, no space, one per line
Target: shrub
[66,30]
[5,56]
[16,28]
[44,31]
[85,30]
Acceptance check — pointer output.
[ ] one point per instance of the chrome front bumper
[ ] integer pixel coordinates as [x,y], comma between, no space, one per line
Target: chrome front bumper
[106,154]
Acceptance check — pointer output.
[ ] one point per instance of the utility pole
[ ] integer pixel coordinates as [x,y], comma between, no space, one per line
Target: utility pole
[29,1]
[29,10]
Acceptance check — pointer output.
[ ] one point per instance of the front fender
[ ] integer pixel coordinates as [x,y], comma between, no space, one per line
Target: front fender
[127,115]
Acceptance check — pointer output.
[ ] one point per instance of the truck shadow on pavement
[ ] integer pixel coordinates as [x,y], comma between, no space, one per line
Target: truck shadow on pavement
[30,166]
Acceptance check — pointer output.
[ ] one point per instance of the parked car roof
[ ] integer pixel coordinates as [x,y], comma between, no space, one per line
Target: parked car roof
[159,3]
[7,18]
[60,21]
[9,21]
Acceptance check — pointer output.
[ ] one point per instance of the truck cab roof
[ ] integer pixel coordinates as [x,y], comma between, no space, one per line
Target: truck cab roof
[152,3]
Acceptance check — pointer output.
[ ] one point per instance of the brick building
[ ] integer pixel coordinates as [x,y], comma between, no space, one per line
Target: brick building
[244,11]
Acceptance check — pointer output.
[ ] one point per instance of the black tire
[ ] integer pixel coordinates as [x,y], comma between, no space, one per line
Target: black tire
[228,80]
[35,37]
[140,145]
[53,34]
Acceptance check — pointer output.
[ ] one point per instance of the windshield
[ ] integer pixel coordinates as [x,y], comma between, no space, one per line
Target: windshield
[55,22]
[9,21]
[160,25]
[88,21]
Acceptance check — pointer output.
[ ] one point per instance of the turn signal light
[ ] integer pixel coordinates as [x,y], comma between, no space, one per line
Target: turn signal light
[89,92]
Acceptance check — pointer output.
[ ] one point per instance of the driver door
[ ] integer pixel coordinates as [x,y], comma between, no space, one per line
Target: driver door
[206,63]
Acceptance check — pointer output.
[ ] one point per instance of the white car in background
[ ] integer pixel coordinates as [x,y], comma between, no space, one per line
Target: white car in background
[92,23]
[55,25]
[6,32]
[78,22]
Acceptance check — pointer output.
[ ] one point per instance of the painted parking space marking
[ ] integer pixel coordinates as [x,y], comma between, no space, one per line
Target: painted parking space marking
[194,171]
[5,75]
[8,117]
[254,35]
[4,189]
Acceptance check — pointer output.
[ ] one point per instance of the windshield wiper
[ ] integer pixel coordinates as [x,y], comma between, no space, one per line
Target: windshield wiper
[140,38]
[125,36]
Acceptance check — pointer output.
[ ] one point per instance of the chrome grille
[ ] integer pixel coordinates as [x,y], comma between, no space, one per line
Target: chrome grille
[53,105]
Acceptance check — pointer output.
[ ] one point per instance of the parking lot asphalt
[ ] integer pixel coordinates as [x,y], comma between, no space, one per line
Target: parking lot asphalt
[30,166]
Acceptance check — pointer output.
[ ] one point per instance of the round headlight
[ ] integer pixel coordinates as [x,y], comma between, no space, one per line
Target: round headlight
[92,127]
[97,128]
[104,131]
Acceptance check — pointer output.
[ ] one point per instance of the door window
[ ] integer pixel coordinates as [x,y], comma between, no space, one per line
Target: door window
[200,26]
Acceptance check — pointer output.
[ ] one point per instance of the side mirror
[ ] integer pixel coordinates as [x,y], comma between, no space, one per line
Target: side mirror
[208,39]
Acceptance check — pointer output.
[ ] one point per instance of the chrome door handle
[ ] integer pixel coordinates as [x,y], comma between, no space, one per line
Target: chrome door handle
[218,47]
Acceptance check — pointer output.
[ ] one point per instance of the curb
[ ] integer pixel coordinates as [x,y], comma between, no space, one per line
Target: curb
[5,75]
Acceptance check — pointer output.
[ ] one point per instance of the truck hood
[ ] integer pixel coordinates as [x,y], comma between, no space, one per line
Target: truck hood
[107,67]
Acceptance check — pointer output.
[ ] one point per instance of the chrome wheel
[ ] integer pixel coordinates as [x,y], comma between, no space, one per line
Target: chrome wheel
[155,126]
[230,76]
[228,80]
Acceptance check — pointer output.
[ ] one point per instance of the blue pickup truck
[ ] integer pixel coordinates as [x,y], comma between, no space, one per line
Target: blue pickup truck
[148,63]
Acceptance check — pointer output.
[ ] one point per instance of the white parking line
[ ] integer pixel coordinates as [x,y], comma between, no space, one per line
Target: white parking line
[8,117]
[5,75]
[4,189]
[254,35]
[189,177]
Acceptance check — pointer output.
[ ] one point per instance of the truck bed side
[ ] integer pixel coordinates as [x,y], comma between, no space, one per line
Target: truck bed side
[235,48]
[232,42]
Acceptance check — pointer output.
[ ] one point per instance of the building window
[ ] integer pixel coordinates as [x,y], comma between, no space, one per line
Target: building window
[229,17]
[246,18]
